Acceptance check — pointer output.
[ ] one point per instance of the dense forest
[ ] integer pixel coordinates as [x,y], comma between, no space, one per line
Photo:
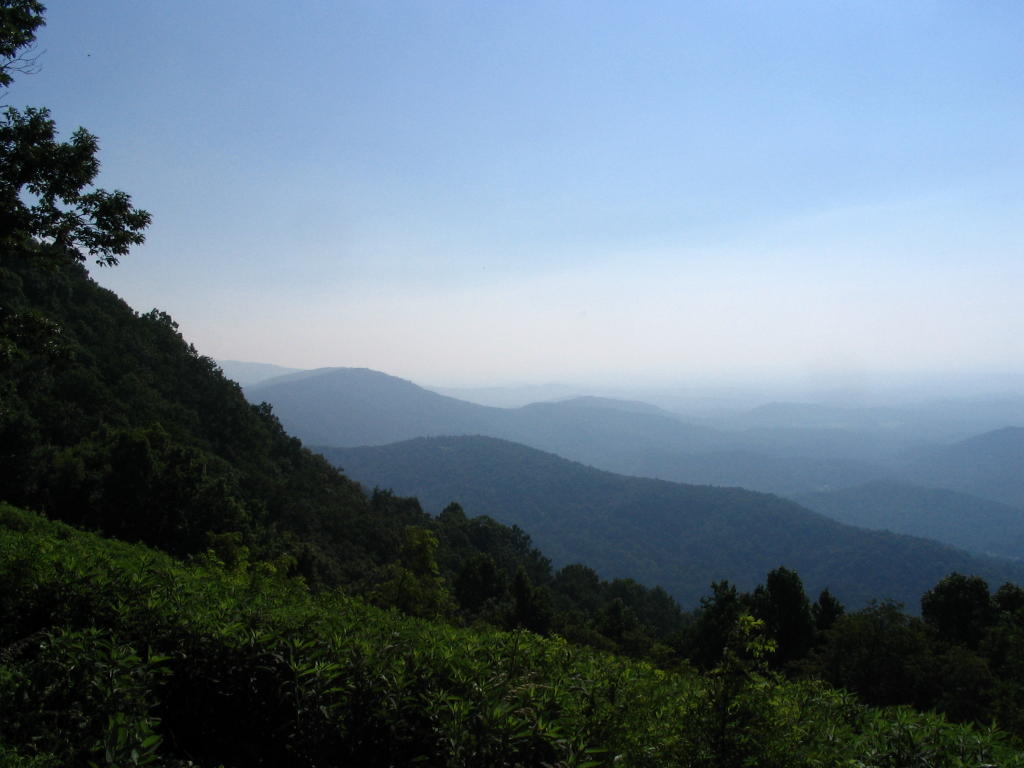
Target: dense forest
[681,537]
[114,654]
[184,584]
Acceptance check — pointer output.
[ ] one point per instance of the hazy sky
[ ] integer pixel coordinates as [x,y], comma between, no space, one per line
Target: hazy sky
[484,192]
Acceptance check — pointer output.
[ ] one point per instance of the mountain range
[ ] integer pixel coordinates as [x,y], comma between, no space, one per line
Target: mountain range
[595,490]
[353,407]
[822,449]
[958,519]
[682,537]
[990,465]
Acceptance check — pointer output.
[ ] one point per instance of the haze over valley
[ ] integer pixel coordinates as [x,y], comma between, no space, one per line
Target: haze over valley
[907,469]
[547,383]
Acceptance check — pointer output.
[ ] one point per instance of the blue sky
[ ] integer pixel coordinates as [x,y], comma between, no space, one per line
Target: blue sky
[482,192]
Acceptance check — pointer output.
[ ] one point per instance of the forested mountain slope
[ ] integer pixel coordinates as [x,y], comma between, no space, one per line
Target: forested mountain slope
[283,617]
[987,465]
[115,423]
[679,536]
[114,654]
[958,519]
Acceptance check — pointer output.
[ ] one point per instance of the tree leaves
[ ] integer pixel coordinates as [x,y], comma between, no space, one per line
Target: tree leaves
[45,193]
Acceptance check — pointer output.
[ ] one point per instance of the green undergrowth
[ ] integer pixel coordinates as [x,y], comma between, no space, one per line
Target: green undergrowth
[114,654]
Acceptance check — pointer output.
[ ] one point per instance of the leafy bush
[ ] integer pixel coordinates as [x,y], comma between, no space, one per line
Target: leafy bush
[113,654]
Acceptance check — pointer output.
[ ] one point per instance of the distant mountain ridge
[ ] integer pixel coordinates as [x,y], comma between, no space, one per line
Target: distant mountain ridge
[912,425]
[681,537]
[354,407]
[990,465]
[247,374]
[507,396]
[617,404]
[958,519]
[359,406]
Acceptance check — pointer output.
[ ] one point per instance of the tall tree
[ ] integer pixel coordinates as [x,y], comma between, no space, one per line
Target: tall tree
[48,201]
[715,622]
[783,606]
[826,611]
[959,609]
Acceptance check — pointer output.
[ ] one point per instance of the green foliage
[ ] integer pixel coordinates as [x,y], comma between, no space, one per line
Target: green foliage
[681,537]
[114,654]
[47,204]
[19,20]
[877,653]
[414,584]
[45,194]
[122,427]
[82,682]
[782,604]
[826,611]
[737,726]
[716,621]
[959,609]
[889,658]
[531,605]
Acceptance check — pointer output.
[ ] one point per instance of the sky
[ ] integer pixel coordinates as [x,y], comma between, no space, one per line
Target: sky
[482,193]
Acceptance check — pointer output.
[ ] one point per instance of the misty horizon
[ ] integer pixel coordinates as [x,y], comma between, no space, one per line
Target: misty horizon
[854,390]
[804,195]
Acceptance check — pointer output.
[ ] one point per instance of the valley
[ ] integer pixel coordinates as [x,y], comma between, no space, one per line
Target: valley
[904,470]
[726,469]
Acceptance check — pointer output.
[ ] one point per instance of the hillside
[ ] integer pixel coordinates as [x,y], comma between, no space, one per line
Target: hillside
[924,421]
[112,421]
[353,407]
[124,428]
[116,423]
[987,465]
[682,537]
[958,519]
[357,406]
[118,655]
[783,475]
[183,584]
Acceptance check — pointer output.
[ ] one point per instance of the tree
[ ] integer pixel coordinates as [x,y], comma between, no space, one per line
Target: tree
[414,584]
[715,622]
[1008,599]
[826,611]
[19,20]
[478,581]
[735,727]
[48,201]
[959,609]
[579,585]
[531,607]
[46,194]
[879,653]
[783,606]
